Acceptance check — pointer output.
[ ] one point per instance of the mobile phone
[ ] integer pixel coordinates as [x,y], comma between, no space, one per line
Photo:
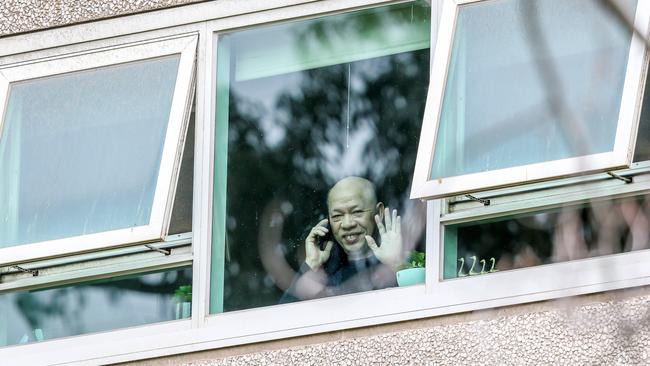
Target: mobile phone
[321,241]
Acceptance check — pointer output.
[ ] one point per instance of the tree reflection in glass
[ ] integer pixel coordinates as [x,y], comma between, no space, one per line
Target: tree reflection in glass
[91,307]
[291,136]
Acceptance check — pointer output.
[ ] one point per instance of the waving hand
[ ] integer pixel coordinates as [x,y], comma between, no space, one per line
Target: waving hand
[391,250]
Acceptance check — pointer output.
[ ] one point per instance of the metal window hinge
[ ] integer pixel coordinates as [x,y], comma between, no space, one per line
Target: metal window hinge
[483,201]
[163,251]
[34,272]
[624,179]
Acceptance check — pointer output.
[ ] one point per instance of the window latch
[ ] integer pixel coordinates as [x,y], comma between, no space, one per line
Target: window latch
[163,251]
[619,177]
[34,272]
[482,200]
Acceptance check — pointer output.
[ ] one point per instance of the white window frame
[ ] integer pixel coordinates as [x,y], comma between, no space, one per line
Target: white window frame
[204,331]
[185,47]
[79,269]
[581,273]
[424,187]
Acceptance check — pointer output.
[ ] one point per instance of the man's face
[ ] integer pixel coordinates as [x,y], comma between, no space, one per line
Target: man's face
[351,216]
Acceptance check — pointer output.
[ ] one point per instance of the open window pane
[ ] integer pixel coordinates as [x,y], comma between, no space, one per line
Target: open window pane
[554,236]
[80,153]
[528,90]
[285,137]
[496,112]
[89,147]
[29,316]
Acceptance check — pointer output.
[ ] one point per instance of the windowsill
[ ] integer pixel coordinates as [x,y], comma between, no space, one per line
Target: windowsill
[421,323]
[174,338]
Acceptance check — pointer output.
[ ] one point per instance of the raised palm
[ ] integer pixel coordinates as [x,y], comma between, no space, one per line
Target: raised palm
[391,250]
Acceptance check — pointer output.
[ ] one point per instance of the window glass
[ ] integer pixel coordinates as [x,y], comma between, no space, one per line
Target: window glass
[181,220]
[570,233]
[552,91]
[29,316]
[323,100]
[80,152]
[642,148]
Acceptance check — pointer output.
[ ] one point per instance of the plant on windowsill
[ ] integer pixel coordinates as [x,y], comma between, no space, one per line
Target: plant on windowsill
[413,271]
[183,298]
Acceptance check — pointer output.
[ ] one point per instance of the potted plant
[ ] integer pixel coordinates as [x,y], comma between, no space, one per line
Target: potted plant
[413,271]
[183,297]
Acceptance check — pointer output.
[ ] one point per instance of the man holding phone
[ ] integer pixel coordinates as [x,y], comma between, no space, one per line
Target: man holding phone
[357,248]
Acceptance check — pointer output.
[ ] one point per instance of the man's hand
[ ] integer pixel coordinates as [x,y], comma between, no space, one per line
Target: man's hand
[314,257]
[391,250]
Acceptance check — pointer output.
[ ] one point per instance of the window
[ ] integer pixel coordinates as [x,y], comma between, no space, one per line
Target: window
[94,163]
[547,237]
[219,190]
[301,106]
[89,148]
[100,305]
[560,98]
[572,232]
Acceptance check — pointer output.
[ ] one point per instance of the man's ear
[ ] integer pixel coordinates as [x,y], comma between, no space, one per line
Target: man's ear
[380,210]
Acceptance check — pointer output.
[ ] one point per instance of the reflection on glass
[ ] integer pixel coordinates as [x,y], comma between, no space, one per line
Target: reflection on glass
[642,148]
[181,219]
[306,104]
[80,152]
[551,91]
[94,306]
[560,235]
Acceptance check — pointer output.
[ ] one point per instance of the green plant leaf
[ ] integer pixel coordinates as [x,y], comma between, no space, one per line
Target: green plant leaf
[416,260]
[183,293]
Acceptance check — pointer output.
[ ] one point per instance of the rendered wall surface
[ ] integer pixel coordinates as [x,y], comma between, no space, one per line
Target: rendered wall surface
[17,16]
[603,329]
[601,333]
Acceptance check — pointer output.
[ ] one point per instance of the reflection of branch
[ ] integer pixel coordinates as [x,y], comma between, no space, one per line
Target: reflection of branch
[413,222]
[510,129]
[636,219]
[568,241]
[141,286]
[622,20]
[269,243]
[574,128]
[37,307]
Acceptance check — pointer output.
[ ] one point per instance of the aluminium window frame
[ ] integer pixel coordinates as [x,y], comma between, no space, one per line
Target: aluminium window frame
[425,187]
[204,331]
[80,269]
[71,268]
[182,45]
[436,297]
[594,272]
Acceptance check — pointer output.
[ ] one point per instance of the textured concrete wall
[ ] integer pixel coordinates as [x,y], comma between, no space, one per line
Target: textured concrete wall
[17,16]
[602,329]
[598,334]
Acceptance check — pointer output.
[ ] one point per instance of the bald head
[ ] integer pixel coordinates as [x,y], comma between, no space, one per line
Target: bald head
[352,205]
[356,186]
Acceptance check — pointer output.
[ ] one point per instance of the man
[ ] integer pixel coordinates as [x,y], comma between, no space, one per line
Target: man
[354,261]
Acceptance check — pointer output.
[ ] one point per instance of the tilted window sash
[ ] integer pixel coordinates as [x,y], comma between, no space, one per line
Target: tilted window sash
[518,94]
[99,186]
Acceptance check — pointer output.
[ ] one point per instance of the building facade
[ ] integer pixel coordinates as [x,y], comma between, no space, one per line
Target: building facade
[163,162]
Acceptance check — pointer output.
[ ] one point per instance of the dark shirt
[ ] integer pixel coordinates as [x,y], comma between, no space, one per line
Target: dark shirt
[344,276]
